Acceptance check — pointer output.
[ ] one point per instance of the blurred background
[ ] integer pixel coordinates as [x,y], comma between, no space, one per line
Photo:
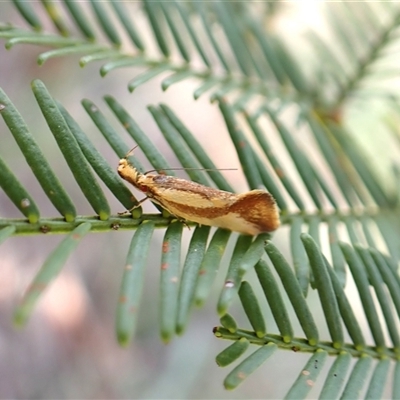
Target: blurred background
[69,348]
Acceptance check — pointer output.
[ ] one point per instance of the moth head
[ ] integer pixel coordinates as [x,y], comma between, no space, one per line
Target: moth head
[123,163]
[128,171]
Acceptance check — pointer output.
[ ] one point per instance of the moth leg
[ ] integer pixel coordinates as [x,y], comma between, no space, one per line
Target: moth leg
[181,220]
[135,206]
[139,203]
[185,223]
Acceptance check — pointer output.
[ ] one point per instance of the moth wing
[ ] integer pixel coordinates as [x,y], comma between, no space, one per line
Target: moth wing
[257,207]
[180,191]
[250,213]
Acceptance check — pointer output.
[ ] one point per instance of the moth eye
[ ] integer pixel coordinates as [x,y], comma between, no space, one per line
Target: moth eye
[142,188]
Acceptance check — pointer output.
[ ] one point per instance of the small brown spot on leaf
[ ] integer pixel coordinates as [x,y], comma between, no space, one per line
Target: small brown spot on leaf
[279,172]
[241,375]
[165,247]
[37,287]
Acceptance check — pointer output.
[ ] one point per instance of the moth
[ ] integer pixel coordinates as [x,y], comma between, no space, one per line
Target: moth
[250,213]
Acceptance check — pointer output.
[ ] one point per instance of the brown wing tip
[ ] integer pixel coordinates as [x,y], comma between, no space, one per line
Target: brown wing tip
[259,208]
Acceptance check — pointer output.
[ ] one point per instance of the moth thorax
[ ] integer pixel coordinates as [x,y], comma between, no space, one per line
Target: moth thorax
[142,181]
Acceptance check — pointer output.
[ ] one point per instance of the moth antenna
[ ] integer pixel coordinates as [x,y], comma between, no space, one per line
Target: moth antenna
[191,169]
[131,151]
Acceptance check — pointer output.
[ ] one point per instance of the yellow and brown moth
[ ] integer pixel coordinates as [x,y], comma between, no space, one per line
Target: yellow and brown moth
[249,213]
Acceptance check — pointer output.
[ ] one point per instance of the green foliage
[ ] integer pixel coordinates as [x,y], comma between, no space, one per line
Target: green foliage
[290,133]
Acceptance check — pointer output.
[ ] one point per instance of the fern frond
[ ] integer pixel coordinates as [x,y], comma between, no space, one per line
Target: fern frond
[361,64]
[337,312]
[260,70]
